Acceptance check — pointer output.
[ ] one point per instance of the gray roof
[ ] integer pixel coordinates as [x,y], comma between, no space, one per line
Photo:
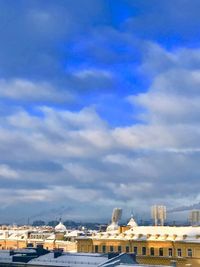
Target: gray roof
[83,260]
[78,260]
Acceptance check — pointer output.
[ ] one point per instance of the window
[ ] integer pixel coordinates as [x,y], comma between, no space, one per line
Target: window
[104,249]
[152,251]
[189,252]
[119,249]
[96,249]
[135,250]
[144,250]
[170,253]
[127,249]
[179,252]
[161,252]
[111,248]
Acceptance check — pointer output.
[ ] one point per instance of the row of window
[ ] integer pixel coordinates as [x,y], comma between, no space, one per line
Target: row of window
[144,251]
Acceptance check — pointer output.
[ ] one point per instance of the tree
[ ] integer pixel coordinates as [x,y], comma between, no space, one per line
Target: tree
[53,223]
[38,223]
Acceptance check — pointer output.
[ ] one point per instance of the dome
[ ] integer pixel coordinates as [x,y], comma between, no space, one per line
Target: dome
[60,227]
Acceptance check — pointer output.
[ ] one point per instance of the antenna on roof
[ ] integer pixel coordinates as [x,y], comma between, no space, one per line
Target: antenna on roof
[132,215]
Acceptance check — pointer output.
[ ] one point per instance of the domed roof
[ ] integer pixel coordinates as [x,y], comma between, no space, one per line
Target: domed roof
[60,227]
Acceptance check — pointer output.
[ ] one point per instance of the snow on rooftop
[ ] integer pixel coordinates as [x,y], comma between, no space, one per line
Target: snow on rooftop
[71,259]
[155,233]
[5,256]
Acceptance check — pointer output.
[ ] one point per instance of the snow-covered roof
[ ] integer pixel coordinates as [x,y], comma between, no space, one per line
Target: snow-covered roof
[51,237]
[155,233]
[113,227]
[60,227]
[77,260]
[83,260]
[74,233]
[5,256]
[132,223]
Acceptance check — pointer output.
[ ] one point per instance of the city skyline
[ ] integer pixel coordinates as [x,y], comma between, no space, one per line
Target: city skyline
[99,106]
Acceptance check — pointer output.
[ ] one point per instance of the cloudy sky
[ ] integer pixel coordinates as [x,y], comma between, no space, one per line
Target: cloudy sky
[99,107]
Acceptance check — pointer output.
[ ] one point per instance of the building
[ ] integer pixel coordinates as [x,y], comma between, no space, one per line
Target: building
[151,244]
[41,257]
[161,245]
[48,237]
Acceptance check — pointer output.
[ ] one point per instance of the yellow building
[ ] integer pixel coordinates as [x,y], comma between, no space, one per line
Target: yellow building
[152,244]
[19,237]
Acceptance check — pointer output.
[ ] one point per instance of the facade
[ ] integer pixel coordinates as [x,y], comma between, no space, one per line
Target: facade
[21,240]
[156,245]
[160,245]
[50,238]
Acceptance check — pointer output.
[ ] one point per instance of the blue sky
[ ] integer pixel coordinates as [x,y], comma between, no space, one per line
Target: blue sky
[99,107]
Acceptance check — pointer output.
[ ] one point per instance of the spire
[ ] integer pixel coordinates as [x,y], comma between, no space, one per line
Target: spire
[132,222]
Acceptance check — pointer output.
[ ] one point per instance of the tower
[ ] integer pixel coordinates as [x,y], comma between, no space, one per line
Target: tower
[158,214]
[116,216]
[194,217]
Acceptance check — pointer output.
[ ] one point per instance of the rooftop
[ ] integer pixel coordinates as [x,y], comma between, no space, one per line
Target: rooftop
[78,260]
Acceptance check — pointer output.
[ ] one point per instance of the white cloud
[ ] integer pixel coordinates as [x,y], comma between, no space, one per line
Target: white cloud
[92,73]
[114,172]
[25,90]
[102,164]
[7,172]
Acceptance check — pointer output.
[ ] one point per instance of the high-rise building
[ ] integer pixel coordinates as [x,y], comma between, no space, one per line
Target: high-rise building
[194,217]
[158,214]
